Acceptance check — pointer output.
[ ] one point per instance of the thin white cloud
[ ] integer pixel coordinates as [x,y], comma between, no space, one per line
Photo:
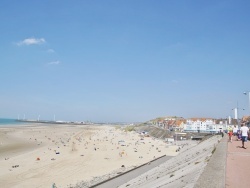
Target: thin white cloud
[31,41]
[51,51]
[54,63]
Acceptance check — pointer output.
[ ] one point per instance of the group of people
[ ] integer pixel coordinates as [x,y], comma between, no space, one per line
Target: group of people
[241,133]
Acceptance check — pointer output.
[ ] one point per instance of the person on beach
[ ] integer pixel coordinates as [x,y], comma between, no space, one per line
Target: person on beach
[244,130]
[230,135]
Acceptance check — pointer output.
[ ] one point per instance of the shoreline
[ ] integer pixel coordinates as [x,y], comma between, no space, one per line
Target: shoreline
[53,122]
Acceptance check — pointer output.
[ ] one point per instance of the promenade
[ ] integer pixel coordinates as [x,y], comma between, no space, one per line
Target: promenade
[229,166]
[238,165]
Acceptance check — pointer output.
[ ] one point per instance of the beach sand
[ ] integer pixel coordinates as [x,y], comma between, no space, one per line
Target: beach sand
[39,155]
[180,171]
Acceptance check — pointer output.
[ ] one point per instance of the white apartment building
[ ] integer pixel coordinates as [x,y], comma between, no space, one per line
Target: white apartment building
[203,125]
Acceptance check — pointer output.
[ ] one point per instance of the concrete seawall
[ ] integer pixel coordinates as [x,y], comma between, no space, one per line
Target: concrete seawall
[126,176]
[214,174]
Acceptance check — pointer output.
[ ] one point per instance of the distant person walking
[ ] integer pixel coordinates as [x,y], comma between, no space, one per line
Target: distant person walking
[244,130]
[230,135]
[235,130]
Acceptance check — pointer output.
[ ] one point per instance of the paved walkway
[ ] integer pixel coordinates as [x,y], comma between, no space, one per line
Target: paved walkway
[238,165]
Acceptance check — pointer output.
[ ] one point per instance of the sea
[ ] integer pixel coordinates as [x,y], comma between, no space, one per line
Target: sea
[4,122]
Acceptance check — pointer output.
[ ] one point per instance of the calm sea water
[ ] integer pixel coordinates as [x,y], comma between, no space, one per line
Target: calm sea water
[9,122]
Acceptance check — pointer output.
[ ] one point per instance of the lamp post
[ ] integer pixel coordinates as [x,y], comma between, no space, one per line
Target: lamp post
[175,138]
[248,93]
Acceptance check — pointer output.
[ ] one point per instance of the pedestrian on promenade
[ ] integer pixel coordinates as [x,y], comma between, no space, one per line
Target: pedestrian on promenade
[238,135]
[244,134]
[235,129]
[230,135]
[221,132]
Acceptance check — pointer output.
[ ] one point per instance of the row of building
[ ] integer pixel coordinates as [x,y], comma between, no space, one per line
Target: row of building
[198,124]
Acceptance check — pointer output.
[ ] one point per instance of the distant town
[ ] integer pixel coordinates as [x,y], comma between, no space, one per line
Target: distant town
[205,125]
[172,123]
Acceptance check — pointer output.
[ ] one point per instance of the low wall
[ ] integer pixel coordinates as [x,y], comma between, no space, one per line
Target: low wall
[214,174]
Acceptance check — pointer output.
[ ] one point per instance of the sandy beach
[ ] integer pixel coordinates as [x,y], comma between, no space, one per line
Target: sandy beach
[39,155]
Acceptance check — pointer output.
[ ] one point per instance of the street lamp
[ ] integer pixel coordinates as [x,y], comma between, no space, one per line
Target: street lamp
[248,93]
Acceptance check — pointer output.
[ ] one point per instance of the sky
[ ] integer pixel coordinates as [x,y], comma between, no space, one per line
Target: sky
[124,61]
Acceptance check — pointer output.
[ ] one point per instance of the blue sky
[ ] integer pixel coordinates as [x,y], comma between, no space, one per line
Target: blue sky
[123,61]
